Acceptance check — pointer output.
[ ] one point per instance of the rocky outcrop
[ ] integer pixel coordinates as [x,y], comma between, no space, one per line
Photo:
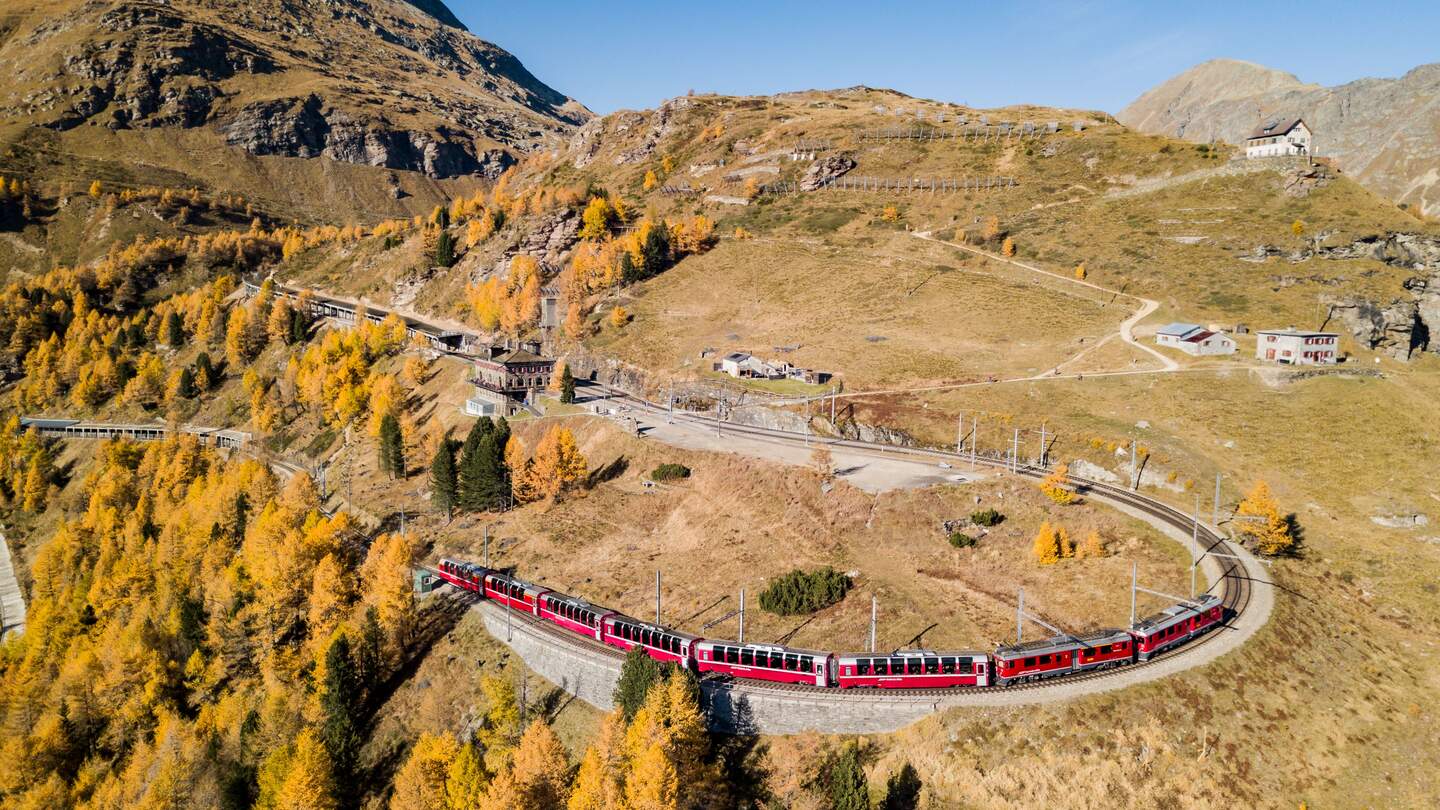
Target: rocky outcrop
[824,171]
[662,123]
[1382,131]
[305,127]
[393,83]
[1401,326]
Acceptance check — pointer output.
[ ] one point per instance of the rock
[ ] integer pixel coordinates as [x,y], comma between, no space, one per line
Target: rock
[1084,469]
[1402,326]
[1143,424]
[825,170]
[1302,181]
[661,125]
[1400,521]
[1392,329]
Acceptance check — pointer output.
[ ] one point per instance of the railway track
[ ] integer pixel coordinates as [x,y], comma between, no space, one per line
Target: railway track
[1234,580]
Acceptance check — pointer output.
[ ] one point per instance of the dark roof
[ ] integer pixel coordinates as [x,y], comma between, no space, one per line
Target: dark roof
[1198,336]
[518,356]
[1273,127]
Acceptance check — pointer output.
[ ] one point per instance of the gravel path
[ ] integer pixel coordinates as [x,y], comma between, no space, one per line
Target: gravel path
[12,599]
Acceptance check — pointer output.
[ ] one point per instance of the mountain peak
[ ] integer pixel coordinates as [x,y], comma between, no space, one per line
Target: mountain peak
[440,11]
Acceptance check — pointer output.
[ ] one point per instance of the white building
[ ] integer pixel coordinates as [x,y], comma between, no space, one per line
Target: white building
[1279,138]
[1194,339]
[742,364]
[1297,347]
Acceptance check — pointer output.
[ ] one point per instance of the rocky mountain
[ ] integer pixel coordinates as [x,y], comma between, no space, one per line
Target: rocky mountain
[391,83]
[1382,131]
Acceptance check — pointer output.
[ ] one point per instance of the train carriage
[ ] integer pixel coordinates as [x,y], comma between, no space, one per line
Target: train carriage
[1034,660]
[463,575]
[574,614]
[516,593]
[662,643]
[1104,649]
[765,662]
[912,670]
[1176,624]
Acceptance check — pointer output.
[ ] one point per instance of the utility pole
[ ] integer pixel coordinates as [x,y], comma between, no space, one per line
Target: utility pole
[1194,544]
[1134,583]
[960,433]
[1019,617]
[508,635]
[1134,479]
[832,404]
[974,436]
[486,554]
[402,521]
[742,617]
[670,415]
[874,612]
[1042,444]
[1215,512]
[1015,453]
[657,595]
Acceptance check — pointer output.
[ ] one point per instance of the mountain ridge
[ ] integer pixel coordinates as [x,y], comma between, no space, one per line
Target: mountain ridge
[1382,130]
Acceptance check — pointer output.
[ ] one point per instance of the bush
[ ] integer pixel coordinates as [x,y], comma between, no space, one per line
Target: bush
[987,518]
[670,472]
[961,540]
[801,592]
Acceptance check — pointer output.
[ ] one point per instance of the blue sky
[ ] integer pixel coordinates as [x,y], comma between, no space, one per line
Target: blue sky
[1088,54]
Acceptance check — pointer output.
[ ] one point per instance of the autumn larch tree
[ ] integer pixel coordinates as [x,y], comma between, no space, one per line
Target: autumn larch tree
[1272,532]
[1007,248]
[1046,547]
[540,768]
[421,783]
[499,731]
[1055,486]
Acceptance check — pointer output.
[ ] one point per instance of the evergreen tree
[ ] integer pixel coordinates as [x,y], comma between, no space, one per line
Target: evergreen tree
[186,387]
[567,385]
[655,253]
[444,485]
[638,673]
[370,652]
[471,467]
[172,332]
[299,327]
[629,271]
[843,780]
[902,790]
[444,250]
[340,705]
[392,447]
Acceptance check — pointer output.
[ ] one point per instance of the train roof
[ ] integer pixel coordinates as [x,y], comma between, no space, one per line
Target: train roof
[621,617]
[1062,643]
[577,601]
[915,654]
[1175,613]
[769,648]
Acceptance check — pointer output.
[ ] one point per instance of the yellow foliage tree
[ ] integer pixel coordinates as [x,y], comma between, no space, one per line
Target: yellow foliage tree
[465,780]
[599,784]
[387,573]
[96,189]
[1055,486]
[540,768]
[1298,228]
[558,463]
[421,782]
[500,731]
[1092,547]
[652,783]
[307,784]
[1007,248]
[1046,547]
[1080,272]
[890,214]
[651,181]
[1272,532]
[619,316]
[991,228]
[595,222]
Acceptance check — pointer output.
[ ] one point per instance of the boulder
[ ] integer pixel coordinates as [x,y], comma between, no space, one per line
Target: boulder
[824,171]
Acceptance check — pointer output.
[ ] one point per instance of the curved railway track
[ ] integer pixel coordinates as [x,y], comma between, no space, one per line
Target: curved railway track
[1235,579]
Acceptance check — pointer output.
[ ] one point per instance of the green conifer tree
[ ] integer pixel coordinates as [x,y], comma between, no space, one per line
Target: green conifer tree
[444,483]
[392,447]
[567,386]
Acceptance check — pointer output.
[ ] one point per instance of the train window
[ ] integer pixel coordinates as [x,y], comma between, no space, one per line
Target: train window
[880,666]
[912,666]
[932,666]
[862,666]
[947,665]
[1029,662]
[747,658]
[674,645]
[790,661]
[807,664]
[965,666]
[732,655]
[897,666]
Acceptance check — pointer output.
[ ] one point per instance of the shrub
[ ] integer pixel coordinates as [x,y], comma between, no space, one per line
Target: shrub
[987,518]
[801,592]
[670,472]
[961,540]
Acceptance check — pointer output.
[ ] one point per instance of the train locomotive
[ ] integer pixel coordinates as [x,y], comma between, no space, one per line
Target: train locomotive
[910,669]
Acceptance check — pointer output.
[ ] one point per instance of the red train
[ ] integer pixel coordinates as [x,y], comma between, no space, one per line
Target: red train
[918,669]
